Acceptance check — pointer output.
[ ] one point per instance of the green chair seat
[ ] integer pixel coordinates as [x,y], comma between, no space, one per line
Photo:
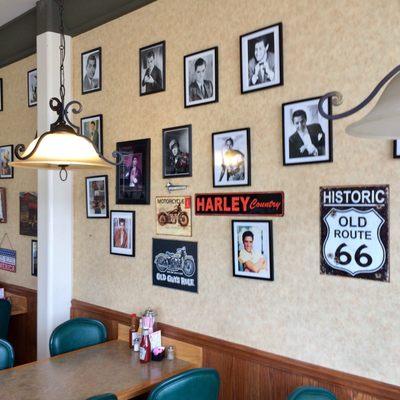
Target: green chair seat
[76,334]
[105,396]
[5,312]
[6,354]
[311,393]
[195,384]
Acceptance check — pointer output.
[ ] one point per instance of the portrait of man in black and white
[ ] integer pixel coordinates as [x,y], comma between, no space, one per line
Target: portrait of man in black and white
[32,88]
[306,134]
[91,71]
[152,68]
[1,94]
[201,78]
[261,59]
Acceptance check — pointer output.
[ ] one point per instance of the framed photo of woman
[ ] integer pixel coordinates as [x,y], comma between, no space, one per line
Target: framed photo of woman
[122,233]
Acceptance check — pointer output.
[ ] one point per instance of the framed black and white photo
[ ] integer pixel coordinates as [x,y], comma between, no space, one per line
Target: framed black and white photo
[177,151]
[32,87]
[306,134]
[396,148]
[122,233]
[133,174]
[92,128]
[1,94]
[152,68]
[261,59]
[34,257]
[252,249]
[97,196]
[231,158]
[6,156]
[91,70]
[201,77]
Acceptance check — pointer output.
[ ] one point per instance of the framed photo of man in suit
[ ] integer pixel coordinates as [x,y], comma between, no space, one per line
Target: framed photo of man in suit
[92,128]
[152,68]
[32,87]
[306,135]
[122,233]
[201,77]
[91,71]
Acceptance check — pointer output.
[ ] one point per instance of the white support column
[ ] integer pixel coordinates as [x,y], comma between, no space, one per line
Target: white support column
[55,208]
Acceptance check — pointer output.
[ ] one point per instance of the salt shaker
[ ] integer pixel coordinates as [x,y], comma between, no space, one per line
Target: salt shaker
[170,353]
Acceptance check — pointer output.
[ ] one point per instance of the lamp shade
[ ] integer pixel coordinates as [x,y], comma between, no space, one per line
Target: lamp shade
[383,121]
[61,149]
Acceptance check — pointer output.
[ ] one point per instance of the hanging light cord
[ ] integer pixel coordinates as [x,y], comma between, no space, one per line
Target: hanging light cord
[62,51]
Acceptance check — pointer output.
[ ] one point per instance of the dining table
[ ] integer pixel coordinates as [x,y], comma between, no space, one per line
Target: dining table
[110,367]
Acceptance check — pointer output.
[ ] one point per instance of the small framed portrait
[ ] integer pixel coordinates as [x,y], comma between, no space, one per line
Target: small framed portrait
[122,233]
[91,70]
[133,174]
[396,148]
[34,257]
[3,205]
[306,135]
[152,68]
[32,88]
[28,213]
[92,128]
[6,156]
[261,59]
[177,151]
[252,249]
[1,94]
[231,158]
[97,196]
[201,77]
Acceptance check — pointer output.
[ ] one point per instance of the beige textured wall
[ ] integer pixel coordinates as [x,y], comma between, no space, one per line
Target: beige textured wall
[342,323]
[17,125]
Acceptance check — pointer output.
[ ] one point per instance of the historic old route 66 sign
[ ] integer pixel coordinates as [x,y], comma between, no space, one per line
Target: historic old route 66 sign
[354,232]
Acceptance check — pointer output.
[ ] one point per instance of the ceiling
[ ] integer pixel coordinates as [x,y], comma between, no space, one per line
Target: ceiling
[10,9]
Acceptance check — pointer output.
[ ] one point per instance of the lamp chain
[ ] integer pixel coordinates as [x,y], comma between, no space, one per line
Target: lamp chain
[62,51]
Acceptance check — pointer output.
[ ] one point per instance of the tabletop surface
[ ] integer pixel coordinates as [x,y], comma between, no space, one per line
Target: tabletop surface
[107,367]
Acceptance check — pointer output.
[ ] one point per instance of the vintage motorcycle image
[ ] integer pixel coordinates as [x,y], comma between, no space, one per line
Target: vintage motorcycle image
[173,216]
[176,262]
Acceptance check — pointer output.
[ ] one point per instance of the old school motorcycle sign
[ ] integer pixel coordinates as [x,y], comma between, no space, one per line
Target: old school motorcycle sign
[355,231]
[174,215]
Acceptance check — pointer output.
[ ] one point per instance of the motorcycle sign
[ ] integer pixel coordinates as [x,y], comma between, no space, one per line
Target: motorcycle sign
[176,262]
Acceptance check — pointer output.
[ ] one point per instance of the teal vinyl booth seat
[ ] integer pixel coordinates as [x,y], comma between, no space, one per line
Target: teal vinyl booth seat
[6,355]
[105,396]
[76,334]
[195,384]
[5,312]
[311,393]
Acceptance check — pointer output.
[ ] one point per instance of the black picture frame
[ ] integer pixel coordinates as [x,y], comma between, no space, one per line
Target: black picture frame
[244,67]
[226,135]
[28,216]
[186,84]
[104,214]
[396,148]
[86,54]
[143,51]
[185,157]
[235,249]
[4,168]
[31,103]
[98,117]
[34,257]
[127,190]
[328,157]
[123,214]
[1,94]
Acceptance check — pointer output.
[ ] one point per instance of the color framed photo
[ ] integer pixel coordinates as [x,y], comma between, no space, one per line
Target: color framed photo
[28,213]
[91,70]
[3,205]
[152,68]
[6,156]
[252,249]
[97,196]
[122,233]
[201,77]
[133,174]
[231,158]
[177,151]
[306,135]
[261,56]
[1,94]
[92,128]
[32,87]
[396,148]
[34,257]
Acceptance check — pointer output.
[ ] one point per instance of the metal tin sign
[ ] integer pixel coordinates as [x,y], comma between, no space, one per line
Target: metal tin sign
[8,260]
[258,203]
[355,231]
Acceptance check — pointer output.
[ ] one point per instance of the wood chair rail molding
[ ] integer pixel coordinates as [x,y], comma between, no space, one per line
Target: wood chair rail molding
[248,373]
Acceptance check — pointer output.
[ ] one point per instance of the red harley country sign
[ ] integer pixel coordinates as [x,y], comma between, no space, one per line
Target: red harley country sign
[257,203]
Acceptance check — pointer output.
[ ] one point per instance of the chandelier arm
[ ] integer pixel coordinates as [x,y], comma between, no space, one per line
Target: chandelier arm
[77,110]
[337,98]
[20,148]
[114,154]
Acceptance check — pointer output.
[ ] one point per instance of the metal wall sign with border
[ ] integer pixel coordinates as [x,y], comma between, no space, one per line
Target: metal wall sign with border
[355,231]
[256,203]
[8,260]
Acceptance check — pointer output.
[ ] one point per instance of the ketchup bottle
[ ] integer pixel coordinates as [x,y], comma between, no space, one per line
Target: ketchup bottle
[145,351]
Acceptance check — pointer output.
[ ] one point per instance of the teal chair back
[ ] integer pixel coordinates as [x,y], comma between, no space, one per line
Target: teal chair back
[195,384]
[5,311]
[311,393]
[6,354]
[105,396]
[75,334]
